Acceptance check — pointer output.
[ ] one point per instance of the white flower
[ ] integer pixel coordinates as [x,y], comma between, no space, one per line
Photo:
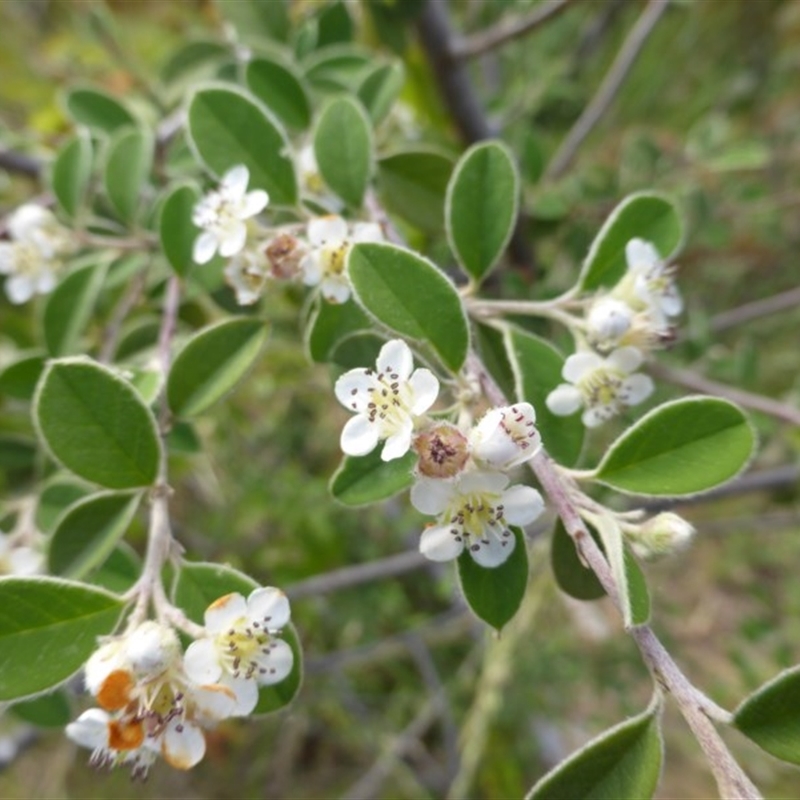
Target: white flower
[603,386]
[607,322]
[653,282]
[663,534]
[386,401]
[34,256]
[246,273]
[506,437]
[18,559]
[331,240]
[222,214]
[147,702]
[475,510]
[241,650]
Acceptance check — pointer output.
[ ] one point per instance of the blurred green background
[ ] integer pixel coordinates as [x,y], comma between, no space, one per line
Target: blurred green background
[405,695]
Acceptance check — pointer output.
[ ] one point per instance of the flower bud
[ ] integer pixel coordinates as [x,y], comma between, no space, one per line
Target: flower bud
[151,649]
[608,321]
[442,449]
[663,534]
[284,253]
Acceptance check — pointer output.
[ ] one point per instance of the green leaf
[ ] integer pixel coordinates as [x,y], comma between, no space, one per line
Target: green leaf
[343,149]
[70,307]
[192,58]
[48,629]
[495,594]
[17,452]
[334,24]
[481,207]
[228,127]
[367,479]
[96,424]
[97,110]
[490,343]
[130,159]
[537,369]
[680,448]
[257,20]
[71,172]
[644,215]
[379,90]
[355,350]
[88,531]
[177,230]
[198,585]
[769,716]
[54,498]
[338,67]
[119,571]
[571,575]
[18,379]
[409,294]
[413,184]
[282,90]
[638,594]
[328,324]
[48,711]
[623,763]
[212,362]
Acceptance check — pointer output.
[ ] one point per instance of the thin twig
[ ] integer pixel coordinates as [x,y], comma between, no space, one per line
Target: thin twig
[784,301]
[123,308]
[347,577]
[608,89]
[756,402]
[507,30]
[21,164]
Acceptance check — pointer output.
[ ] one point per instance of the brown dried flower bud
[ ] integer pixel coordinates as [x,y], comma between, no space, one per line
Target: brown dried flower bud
[442,449]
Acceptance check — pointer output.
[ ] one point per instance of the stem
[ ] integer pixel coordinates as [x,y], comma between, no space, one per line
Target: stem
[697,709]
[608,89]
[531,308]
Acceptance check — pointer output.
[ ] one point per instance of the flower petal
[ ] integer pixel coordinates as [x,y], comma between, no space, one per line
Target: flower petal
[493,550]
[482,481]
[641,255]
[439,544]
[246,692]
[431,495]
[366,232]
[234,239]
[564,400]
[269,607]
[201,662]
[253,203]
[597,415]
[19,289]
[352,389]
[183,745]
[205,245]
[234,181]
[335,289]
[90,729]
[322,230]
[359,436]
[398,444]
[276,664]
[224,612]
[635,389]
[579,364]
[213,701]
[425,388]
[521,504]
[396,357]
[626,359]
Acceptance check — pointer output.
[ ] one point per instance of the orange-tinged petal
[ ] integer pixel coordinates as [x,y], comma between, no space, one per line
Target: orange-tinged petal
[125,735]
[115,690]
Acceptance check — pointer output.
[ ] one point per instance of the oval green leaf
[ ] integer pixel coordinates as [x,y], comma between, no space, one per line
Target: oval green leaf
[328,324]
[97,110]
[644,215]
[69,308]
[227,127]
[368,479]
[281,90]
[623,763]
[343,149]
[680,448]
[481,206]
[55,497]
[177,230]
[48,711]
[96,424]
[52,625]
[88,531]
[71,172]
[495,594]
[130,159]
[198,585]
[571,575]
[769,716]
[410,295]
[537,369]
[379,90]
[19,379]
[212,362]
[413,184]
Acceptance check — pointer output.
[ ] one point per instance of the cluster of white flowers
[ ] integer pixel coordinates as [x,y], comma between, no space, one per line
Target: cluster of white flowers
[35,255]
[622,326]
[154,700]
[227,219]
[460,476]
